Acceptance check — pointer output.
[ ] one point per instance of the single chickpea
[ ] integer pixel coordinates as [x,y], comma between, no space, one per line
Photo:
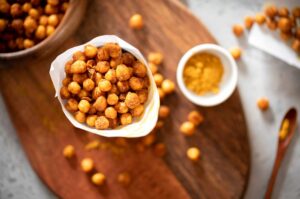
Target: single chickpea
[271,11]
[68,66]
[284,24]
[122,72]
[149,139]
[90,51]
[17,24]
[88,84]
[20,42]
[132,100]
[43,20]
[87,164]
[168,86]
[15,10]
[161,93]
[49,9]
[158,79]
[136,83]
[112,99]
[64,93]
[72,105]
[114,62]
[74,87]
[90,120]
[195,117]
[40,32]
[121,107]
[30,24]
[296,12]
[113,49]
[193,153]
[69,151]
[111,113]
[155,58]
[283,12]
[248,21]
[296,45]
[187,128]
[153,68]
[123,86]
[235,52]
[127,59]
[143,95]
[98,78]
[28,43]
[3,24]
[260,18]
[238,30]
[98,179]
[50,30]
[111,76]
[263,103]
[26,7]
[53,20]
[84,106]
[139,69]
[164,111]
[104,85]
[78,66]
[126,118]
[34,13]
[102,66]
[100,104]
[79,77]
[53,2]
[78,55]
[101,123]
[137,111]
[83,94]
[124,178]
[272,25]
[80,116]
[91,67]
[103,54]
[160,149]
[136,22]
[96,93]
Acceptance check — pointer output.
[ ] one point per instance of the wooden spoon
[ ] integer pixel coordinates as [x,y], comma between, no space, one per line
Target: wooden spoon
[283,144]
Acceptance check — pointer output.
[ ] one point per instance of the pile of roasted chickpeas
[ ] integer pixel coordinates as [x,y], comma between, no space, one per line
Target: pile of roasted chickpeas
[23,25]
[105,87]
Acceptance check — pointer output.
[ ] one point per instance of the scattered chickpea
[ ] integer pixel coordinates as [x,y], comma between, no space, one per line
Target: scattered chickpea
[69,151]
[101,123]
[260,18]
[98,179]
[187,128]
[149,139]
[155,58]
[136,22]
[193,153]
[235,52]
[158,79]
[271,11]
[248,21]
[124,178]
[153,68]
[263,103]
[87,164]
[238,30]
[164,111]
[195,117]
[161,93]
[168,86]
[126,118]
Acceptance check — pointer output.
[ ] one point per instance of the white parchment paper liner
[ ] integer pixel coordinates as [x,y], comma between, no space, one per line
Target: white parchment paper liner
[141,126]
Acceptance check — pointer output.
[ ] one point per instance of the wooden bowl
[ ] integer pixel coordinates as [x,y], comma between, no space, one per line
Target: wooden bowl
[67,26]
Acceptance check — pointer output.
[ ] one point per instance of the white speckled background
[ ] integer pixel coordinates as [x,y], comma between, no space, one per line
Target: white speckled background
[259,75]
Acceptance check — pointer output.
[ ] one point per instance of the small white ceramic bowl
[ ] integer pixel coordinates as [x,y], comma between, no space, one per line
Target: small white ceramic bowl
[227,84]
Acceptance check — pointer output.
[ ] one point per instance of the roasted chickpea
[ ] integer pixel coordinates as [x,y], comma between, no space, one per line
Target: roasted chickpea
[101,123]
[40,32]
[136,83]
[271,11]
[96,93]
[88,84]
[149,139]
[263,103]
[87,164]
[112,99]
[92,111]
[132,100]
[285,36]
[122,96]
[30,24]
[195,117]
[53,20]
[283,12]
[193,153]
[187,128]
[123,86]
[113,49]
[111,76]
[19,42]
[111,113]
[84,106]
[90,120]
[102,66]
[78,66]
[114,62]
[26,7]
[121,107]
[80,116]
[284,24]
[139,69]
[49,9]
[34,13]
[248,21]
[122,72]
[98,78]
[114,89]
[260,18]
[64,6]
[272,25]
[74,87]
[296,12]
[235,52]
[64,93]
[72,105]
[104,85]
[168,86]
[103,54]
[53,2]
[100,104]
[98,179]
[68,66]
[127,59]
[136,22]
[238,30]
[69,151]
[15,10]
[158,79]
[153,68]
[3,24]
[143,95]
[50,30]
[124,178]
[126,118]
[28,43]
[79,77]
[164,111]
[155,58]
[90,51]
[137,111]
[83,94]
[161,93]
[296,45]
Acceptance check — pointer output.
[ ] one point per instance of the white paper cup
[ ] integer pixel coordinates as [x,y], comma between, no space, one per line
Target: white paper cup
[141,126]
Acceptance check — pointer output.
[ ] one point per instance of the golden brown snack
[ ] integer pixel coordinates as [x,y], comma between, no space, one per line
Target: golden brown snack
[158,79]
[193,153]
[87,165]
[139,69]
[101,123]
[136,22]
[72,105]
[187,128]
[122,72]
[271,11]
[91,120]
[195,117]
[84,106]
[98,178]
[69,151]
[155,58]
[235,52]
[164,111]
[126,119]
[238,30]
[124,178]
[260,18]
[132,100]
[137,111]
[80,116]
[263,103]
[248,21]
[168,86]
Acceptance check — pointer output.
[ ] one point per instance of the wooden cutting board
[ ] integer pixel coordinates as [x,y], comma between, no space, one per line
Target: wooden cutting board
[43,130]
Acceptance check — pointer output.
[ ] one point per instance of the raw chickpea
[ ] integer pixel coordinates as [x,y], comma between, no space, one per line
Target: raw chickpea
[50,30]
[26,7]
[28,43]
[102,66]
[90,120]
[137,111]
[87,165]
[235,52]
[88,84]
[160,149]
[101,123]
[78,66]
[43,20]
[30,24]
[248,21]
[34,13]
[123,86]
[111,113]
[74,87]
[98,179]
[132,100]
[53,2]
[103,54]
[113,49]
[271,11]
[195,117]
[155,58]
[158,79]
[296,12]
[49,9]
[104,85]
[3,24]
[72,105]
[193,153]
[263,103]
[122,72]
[136,83]
[84,106]
[64,93]
[90,51]
[283,12]
[79,77]
[164,111]
[40,32]
[126,118]
[153,68]
[139,69]
[284,24]
[100,104]
[121,107]
[187,128]
[111,76]
[96,93]
[272,25]
[296,45]
[112,99]
[80,116]
[53,20]
[69,151]
[136,22]
[127,59]
[260,18]
[168,86]
[161,93]
[114,62]
[143,95]
[238,30]
[124,178]
[15,10]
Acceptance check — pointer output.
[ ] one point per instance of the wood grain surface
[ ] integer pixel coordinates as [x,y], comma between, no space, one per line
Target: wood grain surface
[223,170]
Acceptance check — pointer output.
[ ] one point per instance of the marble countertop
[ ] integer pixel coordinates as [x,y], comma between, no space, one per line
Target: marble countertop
[259,75]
